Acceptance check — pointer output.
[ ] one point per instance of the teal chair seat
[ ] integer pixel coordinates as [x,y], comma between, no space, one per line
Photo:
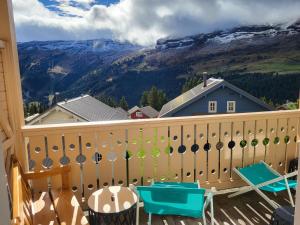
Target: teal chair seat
[259,173]
[170,199]
[176,184]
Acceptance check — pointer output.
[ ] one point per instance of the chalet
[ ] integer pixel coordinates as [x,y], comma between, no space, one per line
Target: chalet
[142,113]
[213,96]
[81,109]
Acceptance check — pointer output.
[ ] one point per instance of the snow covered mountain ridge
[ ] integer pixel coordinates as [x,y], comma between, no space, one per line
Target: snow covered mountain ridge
[250,33]
[98,45]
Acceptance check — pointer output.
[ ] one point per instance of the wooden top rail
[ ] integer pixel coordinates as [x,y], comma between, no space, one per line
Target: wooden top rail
[32,130]
[47,173]
[62,170]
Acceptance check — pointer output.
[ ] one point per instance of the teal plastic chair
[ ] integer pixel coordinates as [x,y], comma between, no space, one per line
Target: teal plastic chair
[170,198]
[177,184]
[261,177]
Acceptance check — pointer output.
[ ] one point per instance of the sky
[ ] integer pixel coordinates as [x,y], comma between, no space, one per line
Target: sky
[143,22]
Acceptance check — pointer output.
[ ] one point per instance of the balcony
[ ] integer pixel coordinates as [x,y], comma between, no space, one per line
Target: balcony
[204,148]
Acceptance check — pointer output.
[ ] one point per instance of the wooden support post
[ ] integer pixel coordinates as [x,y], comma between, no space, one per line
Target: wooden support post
[297,209]
[4,206]
[299,100]
[12,82]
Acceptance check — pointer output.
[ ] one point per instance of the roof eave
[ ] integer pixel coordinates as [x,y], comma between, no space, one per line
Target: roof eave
[209,90]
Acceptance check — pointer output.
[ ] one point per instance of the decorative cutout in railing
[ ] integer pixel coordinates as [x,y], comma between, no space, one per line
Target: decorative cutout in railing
[181,149]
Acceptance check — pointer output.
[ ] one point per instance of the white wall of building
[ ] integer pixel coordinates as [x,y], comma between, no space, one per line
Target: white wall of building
[56,116]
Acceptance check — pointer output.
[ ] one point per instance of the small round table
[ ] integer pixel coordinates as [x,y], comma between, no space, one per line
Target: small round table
[113,205]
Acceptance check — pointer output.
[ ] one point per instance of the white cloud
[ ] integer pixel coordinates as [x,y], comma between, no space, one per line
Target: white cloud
[144,21]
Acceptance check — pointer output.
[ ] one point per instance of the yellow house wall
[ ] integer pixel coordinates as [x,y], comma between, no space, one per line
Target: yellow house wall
[57,116]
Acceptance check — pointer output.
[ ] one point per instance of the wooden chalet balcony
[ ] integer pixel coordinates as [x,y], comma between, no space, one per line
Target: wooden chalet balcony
[203,148]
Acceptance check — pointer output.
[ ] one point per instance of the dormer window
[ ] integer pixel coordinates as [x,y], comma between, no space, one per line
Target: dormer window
[212,106]
[230,106]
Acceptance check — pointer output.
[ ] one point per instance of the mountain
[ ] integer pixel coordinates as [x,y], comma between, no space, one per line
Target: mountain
[256,58]
[53,66]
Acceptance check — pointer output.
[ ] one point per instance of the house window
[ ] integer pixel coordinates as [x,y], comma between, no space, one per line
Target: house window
[212,106]
[231,106]
[139,114]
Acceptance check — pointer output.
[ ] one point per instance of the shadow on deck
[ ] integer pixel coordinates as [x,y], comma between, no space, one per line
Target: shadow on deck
[247,209]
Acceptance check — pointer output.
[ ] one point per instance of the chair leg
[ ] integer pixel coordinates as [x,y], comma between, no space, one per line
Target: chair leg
[212,211]
[242,191]
[204,218]
[149,219]
[137,214]
[270,201]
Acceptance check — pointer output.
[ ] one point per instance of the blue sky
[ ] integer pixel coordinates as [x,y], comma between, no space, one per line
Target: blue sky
[143,21]
[53,5]
[100,2]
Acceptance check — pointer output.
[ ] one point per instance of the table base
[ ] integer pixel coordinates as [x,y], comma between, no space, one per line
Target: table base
[127,217]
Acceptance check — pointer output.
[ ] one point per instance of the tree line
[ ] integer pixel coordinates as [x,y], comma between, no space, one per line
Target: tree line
[32,108]
[274,89]
[154,97]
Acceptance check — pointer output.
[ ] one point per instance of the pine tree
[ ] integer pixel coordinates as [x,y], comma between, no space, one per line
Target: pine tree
[41,108]
[33,109]
[123,103]
[162,99]
[25,107]
[153,98]
[144,99]
[190,83]
[108,100]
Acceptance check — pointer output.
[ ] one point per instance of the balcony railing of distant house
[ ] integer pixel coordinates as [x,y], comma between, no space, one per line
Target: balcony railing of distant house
[203,148]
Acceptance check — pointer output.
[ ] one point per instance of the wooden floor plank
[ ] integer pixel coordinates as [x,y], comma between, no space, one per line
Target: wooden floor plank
[246,209]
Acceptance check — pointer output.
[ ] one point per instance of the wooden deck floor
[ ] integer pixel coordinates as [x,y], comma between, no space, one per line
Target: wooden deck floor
[247,209]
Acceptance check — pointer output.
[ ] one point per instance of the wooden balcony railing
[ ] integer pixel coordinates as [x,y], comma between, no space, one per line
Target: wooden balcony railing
[204,148]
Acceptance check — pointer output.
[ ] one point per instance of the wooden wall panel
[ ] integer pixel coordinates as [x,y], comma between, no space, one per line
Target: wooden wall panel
[272,131]
[55,153]
[134,146]
[212,168]
[188,155]
[150,162]
[38,154]
[201,162]
[72,151]
[176,160]
[106,173]
[237,153]
[260,133]
[89,166]
[249,136]
[213,153]
[119,147]
[164,160]
[225,153]
[291,152]
[281,147]
[3,99]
